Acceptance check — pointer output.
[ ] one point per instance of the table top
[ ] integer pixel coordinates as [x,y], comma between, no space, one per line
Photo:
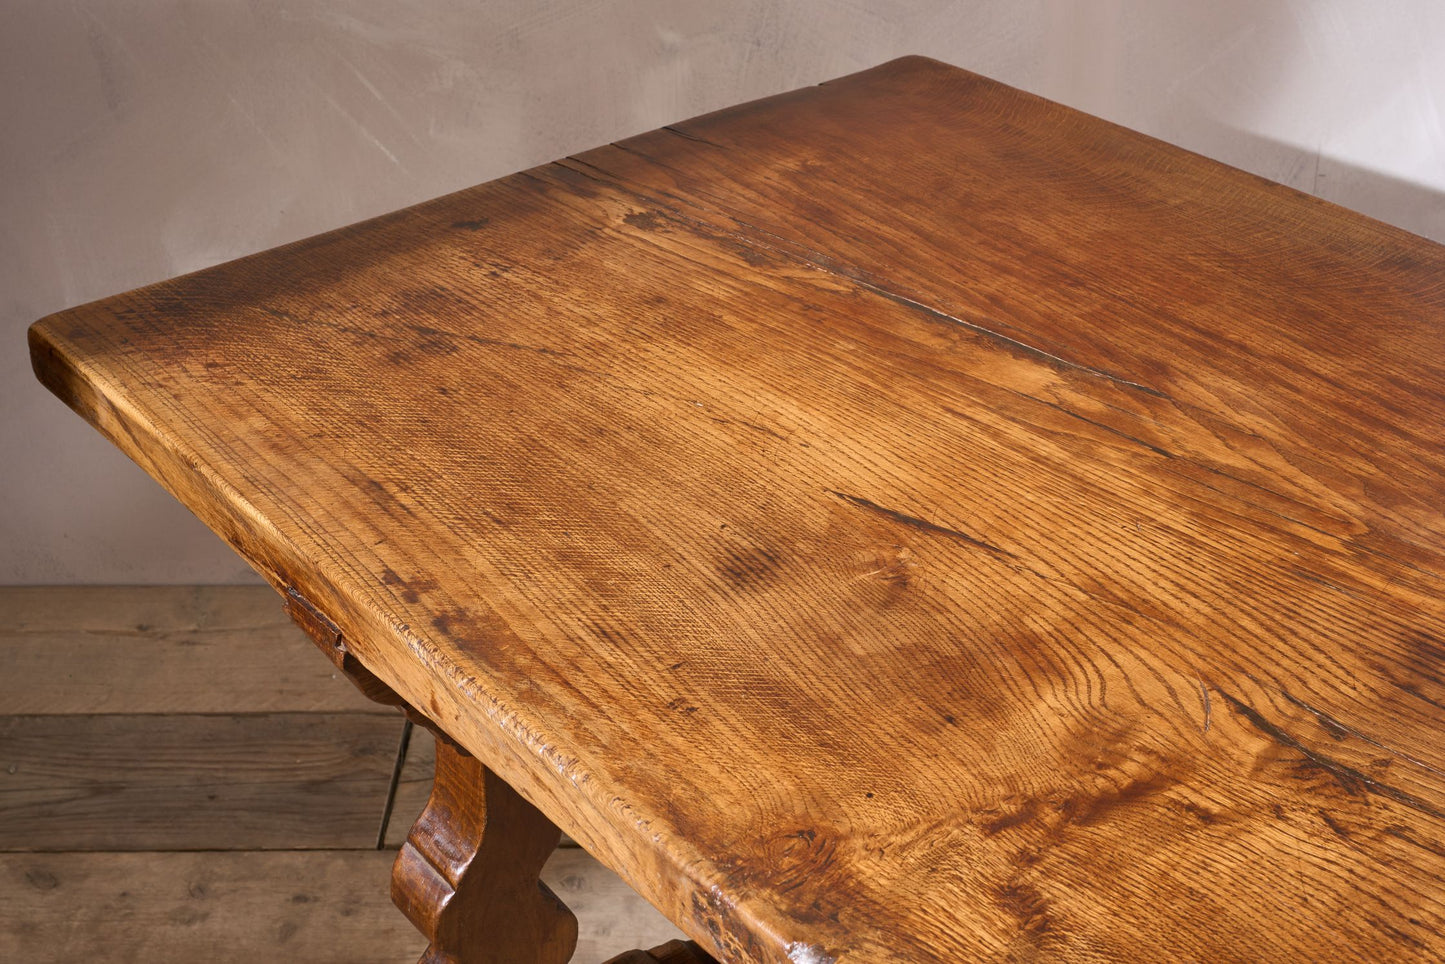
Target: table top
[899,520]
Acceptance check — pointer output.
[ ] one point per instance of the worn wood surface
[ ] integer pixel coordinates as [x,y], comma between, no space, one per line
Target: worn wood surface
[468,873]
[901,520]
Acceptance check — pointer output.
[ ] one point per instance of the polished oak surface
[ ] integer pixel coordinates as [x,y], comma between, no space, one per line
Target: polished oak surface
[899,520]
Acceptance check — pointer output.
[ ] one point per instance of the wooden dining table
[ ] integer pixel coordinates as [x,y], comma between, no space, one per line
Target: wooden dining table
[899,520]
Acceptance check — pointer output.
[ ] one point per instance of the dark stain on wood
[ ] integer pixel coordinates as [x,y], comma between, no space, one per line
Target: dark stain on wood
[921,524]
[749,566]
[645,220]
[1349,778]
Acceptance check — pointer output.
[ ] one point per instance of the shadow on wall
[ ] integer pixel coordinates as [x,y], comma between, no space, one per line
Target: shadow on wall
[1414,207]
[1347,98]
[1337,99]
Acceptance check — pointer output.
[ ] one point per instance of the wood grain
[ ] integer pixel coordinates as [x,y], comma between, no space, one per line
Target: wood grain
[185,782]
[900,520]
[160,649]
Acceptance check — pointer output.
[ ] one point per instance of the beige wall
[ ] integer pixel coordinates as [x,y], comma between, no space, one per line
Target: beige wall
[143,138]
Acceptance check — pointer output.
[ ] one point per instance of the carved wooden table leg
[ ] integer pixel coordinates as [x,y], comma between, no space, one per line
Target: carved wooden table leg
[673,952]
[468,874]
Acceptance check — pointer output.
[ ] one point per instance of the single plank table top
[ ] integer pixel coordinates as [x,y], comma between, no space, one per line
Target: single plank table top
[899,520]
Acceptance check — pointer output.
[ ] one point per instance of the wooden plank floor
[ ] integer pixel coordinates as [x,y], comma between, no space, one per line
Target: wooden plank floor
[183,778]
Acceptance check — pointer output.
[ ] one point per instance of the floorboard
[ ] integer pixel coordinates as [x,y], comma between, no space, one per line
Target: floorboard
[183,778]
[239,906]
[245,907]
[270,781]
[161,649]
